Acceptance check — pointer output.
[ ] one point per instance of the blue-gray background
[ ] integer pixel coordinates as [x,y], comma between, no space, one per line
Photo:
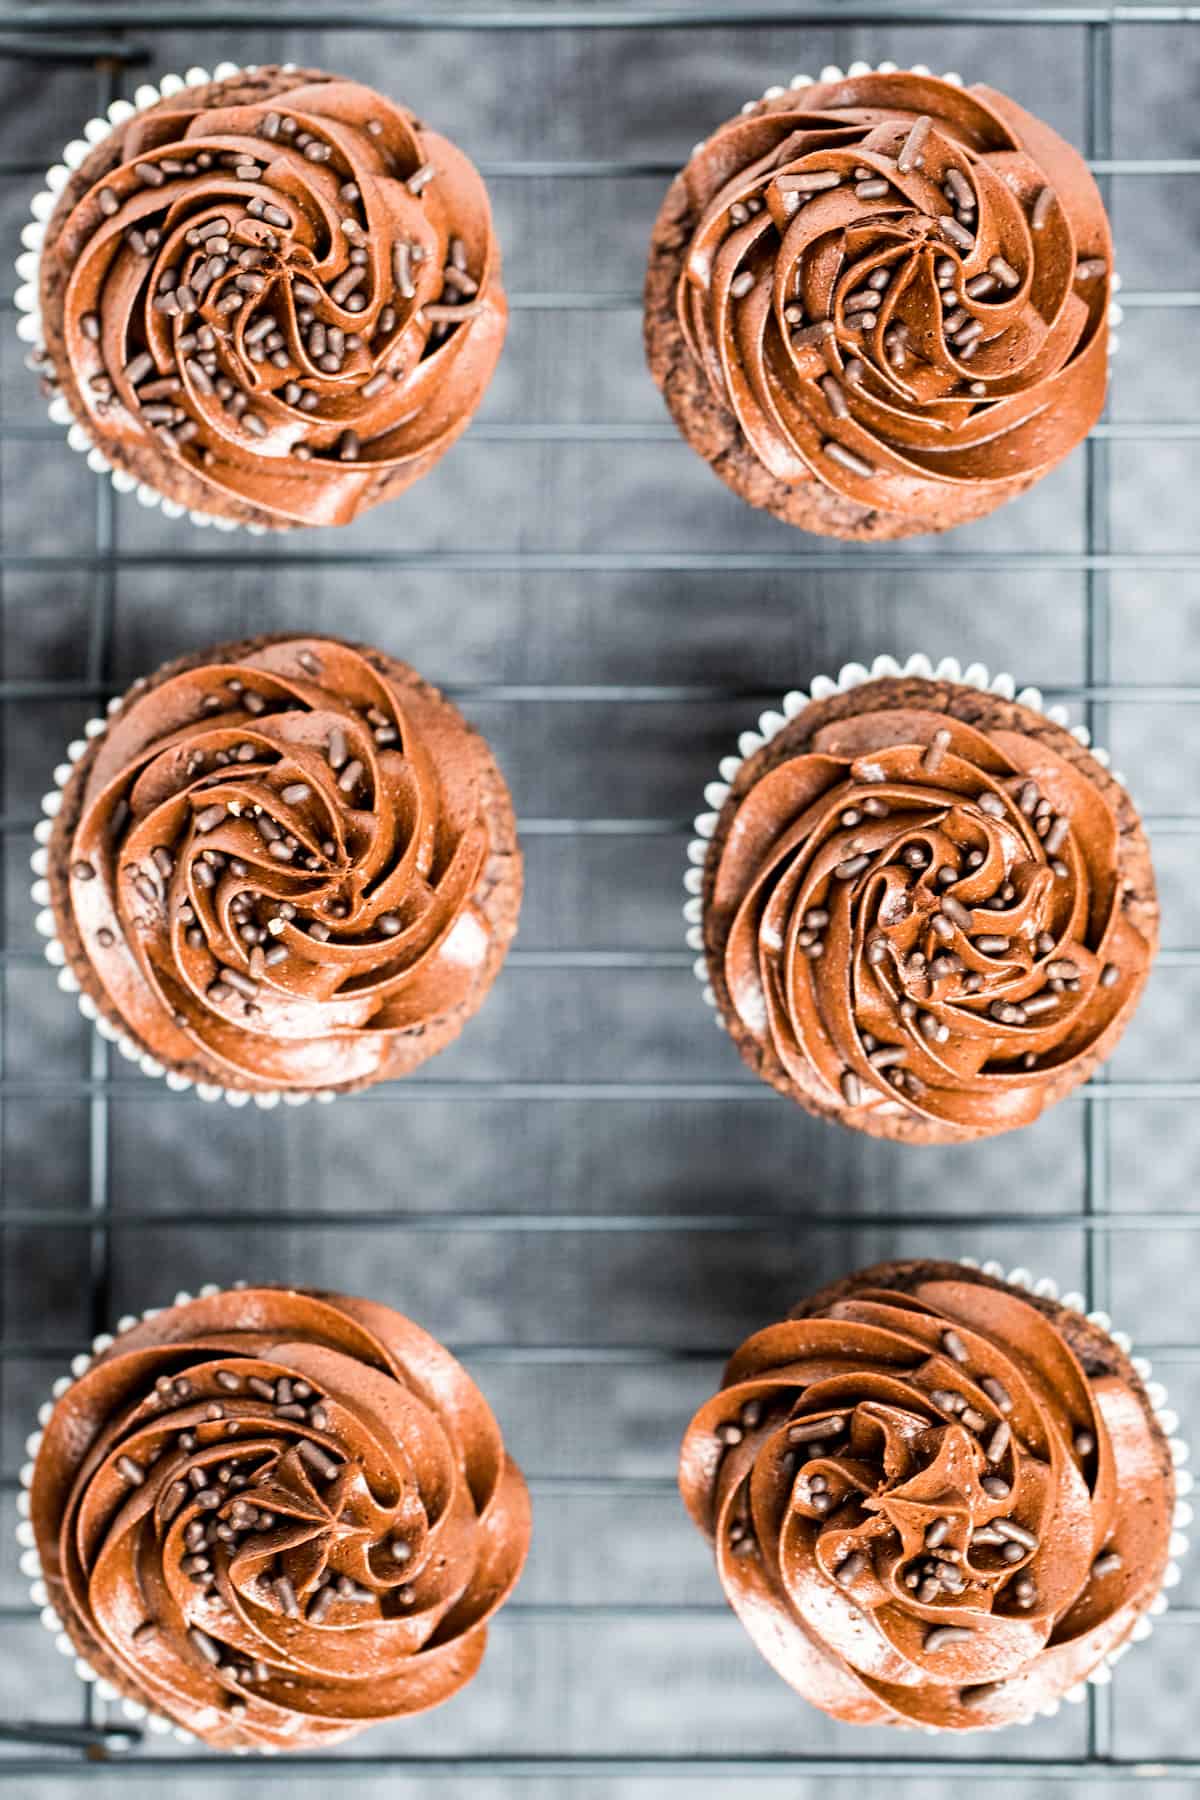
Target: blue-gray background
[572,543]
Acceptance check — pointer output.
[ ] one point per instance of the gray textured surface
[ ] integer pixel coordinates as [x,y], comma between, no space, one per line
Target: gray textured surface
[613,1684]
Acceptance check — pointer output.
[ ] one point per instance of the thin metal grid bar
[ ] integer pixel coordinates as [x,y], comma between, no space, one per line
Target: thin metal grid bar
[650,1768]
[618,168]
[519,1769]
[1096,568]
[1097,1186]
[627,694]
[541,1221]
[627,562]
[48,46]
[419,1091]
[153,15]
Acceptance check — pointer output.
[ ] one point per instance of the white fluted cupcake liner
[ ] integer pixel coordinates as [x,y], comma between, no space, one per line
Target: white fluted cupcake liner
[30,1563]
[1046,1288]
[27,296]
[772,722]
[831,72]
[28,267]
[46,927]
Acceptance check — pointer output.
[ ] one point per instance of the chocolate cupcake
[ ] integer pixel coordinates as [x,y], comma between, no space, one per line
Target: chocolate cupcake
[280,869]
[925,908]
[270,298]
[271,1518]
[938,1499]
[877,304]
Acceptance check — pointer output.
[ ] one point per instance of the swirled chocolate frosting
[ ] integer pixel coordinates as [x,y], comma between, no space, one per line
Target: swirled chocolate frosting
[287,287]
[287,865]
[918,915]
[278,1517]
[899,287]
[928,1506]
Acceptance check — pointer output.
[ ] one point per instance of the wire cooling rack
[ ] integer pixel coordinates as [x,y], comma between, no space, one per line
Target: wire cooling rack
[588,1197]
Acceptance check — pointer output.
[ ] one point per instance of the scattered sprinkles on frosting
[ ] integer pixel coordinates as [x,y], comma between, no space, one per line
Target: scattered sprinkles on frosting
[899,286]
[276,1517]
[926,1511]
[293,298]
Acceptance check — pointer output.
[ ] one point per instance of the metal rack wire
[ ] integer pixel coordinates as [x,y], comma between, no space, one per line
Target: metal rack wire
[115,41]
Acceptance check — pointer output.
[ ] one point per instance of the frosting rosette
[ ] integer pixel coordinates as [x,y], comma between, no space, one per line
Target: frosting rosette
[275,297]
[277,1517]
[898,287]
[935,1501]
[929,911]
[286,865]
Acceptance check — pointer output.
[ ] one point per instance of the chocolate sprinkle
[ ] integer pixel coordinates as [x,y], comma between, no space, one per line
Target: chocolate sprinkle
[910,151]
[811,181]
[997,1392]
[320,1605]
[200,1640]
[438,314]
[958,235]
[324,1465]
[981,286]
[806,1431]
[852,866]
[848,459]
[1041,208]
[998,1443]
[835,397]
[285,1593]
[136,370]
[1017,1534]
[935,752]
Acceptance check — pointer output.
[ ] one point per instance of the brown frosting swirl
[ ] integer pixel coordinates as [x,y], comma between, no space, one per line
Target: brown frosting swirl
[278,1517]
[278,863]
[917,914]
[929,1508]
[900,288]
[288,287]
